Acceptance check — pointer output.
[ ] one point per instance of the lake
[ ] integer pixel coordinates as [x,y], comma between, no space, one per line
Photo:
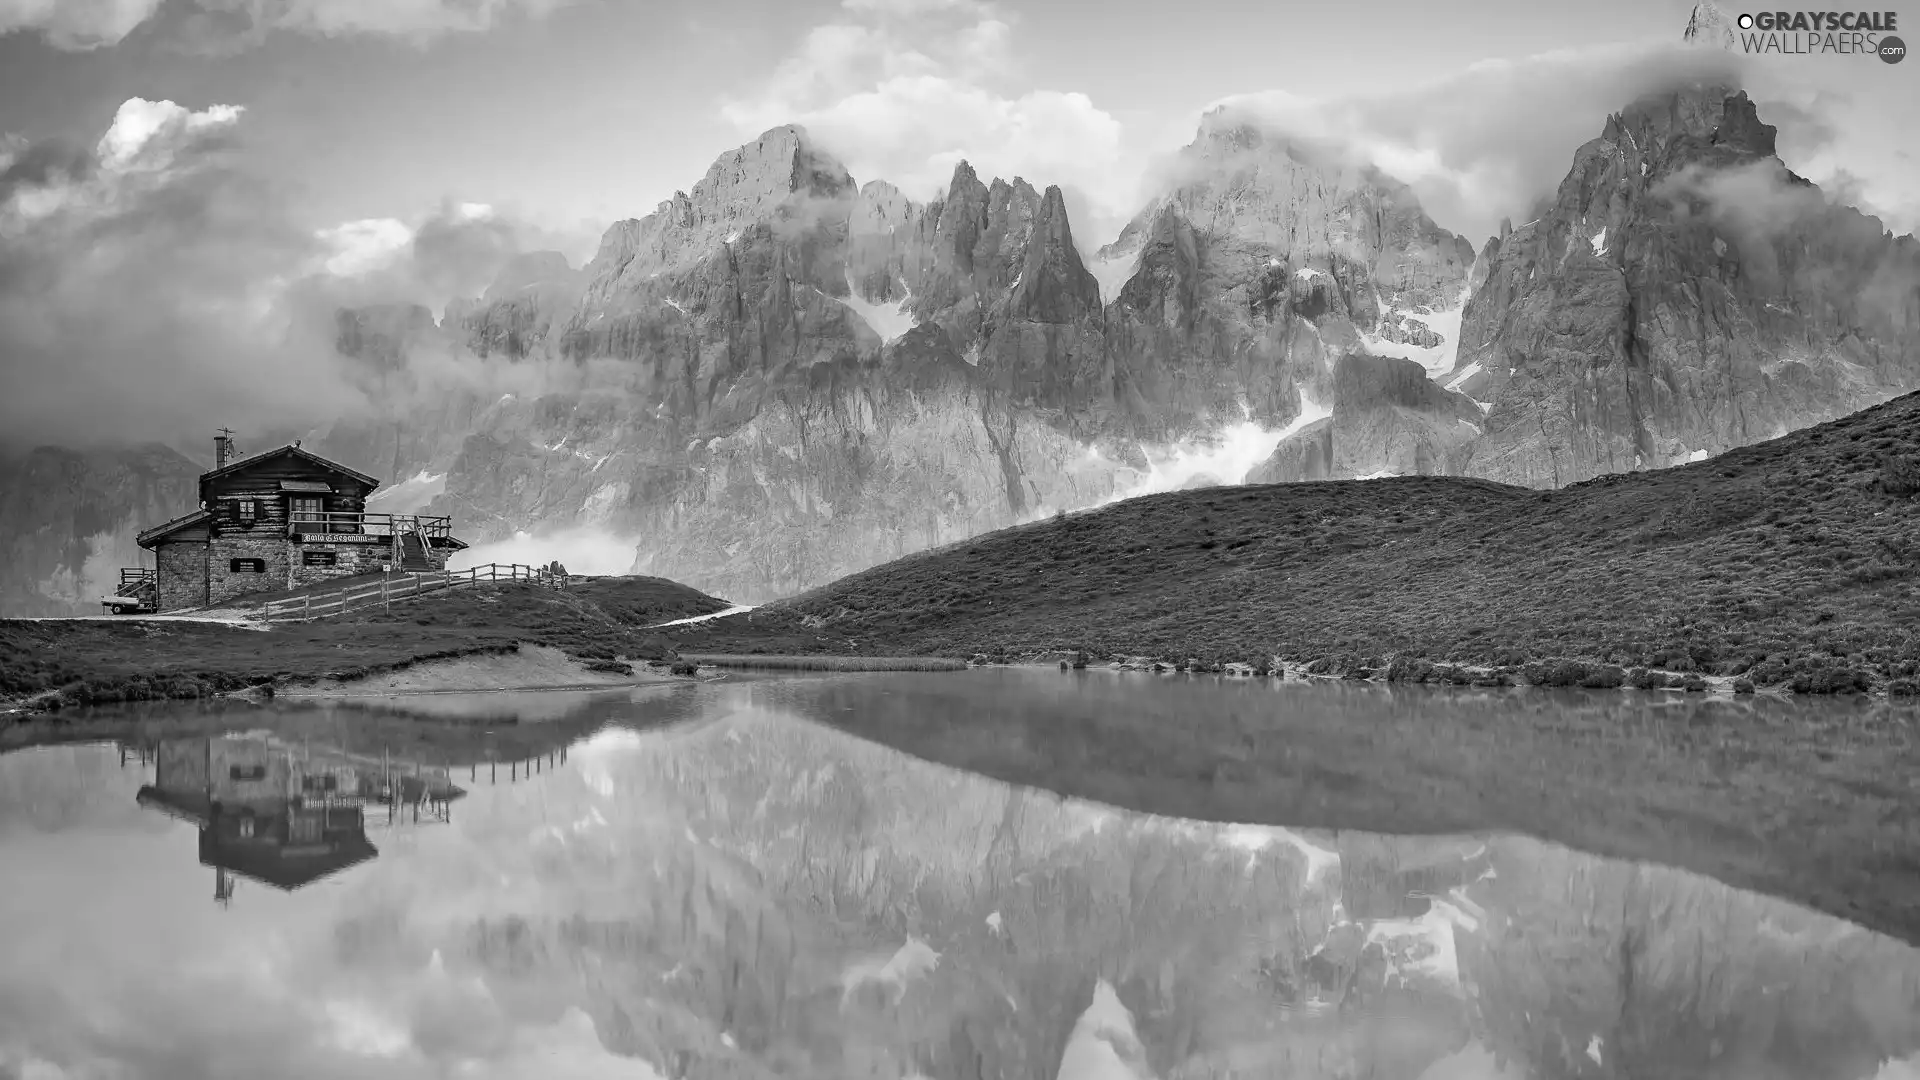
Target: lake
[724,880]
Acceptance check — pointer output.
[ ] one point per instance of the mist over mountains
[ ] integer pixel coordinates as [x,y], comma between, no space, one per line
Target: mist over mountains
[786,374]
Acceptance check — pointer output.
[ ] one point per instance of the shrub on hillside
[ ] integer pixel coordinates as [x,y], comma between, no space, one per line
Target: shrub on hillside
[1900,474]
[1835,679]
[1742,686]
[1642,679]
[1603,677]
[1903,688]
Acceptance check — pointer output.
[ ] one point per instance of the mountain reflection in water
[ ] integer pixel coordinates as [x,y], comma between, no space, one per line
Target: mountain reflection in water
[747,893]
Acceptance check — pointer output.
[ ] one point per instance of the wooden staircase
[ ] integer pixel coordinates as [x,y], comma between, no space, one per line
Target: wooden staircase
[413,552]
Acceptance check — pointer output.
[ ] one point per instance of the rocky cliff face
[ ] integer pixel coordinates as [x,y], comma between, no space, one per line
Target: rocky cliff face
[781,377]
[1683,294]
[1388,418]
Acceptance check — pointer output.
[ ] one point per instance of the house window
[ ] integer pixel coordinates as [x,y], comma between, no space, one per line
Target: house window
[318,558]
[246,772]
[246,510]
[311,514]
[328,782]
[246,827]
[247,566]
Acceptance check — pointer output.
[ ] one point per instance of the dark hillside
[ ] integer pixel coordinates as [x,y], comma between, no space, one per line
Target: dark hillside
[1790,562]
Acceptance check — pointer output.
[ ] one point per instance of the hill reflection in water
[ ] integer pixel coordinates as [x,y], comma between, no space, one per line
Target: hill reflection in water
[746,893]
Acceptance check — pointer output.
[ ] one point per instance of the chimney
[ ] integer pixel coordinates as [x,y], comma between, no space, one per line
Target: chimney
[222,448]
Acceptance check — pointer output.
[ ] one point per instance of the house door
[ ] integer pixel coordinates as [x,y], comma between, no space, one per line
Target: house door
[310,510]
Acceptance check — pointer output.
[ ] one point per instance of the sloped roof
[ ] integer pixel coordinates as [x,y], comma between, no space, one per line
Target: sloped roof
[307,455]
[194,811]
[159,532]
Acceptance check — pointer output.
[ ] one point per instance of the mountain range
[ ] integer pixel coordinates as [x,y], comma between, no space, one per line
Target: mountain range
[784,376]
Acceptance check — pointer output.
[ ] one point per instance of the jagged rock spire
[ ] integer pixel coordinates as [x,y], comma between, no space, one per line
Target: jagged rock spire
[1709,26]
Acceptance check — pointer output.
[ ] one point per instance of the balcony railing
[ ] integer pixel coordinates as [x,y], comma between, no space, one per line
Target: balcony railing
[370,524]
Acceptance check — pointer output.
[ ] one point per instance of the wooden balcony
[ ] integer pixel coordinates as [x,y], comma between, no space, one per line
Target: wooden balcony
[370,525]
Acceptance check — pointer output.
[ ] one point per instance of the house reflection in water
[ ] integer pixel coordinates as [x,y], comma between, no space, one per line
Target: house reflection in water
[276,813]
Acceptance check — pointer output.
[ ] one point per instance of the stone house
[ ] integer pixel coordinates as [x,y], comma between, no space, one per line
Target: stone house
[280,520]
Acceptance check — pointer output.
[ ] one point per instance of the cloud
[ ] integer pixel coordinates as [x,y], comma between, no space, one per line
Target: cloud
[1758,204]
[904,90]
[152,287]
[76,24]
[137,286]
[455,253]
[92,24]
[1489,141]
[1754,203]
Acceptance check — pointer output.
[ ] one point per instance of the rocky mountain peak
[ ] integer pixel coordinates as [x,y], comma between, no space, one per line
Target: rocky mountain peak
[782,174]
[1054,286]
[1706,114]
[747,181]
[1224,129]
[1710,27]
[882,201]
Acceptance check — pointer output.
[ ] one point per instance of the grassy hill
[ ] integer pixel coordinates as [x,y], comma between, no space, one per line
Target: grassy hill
[78,662]
[1792,563]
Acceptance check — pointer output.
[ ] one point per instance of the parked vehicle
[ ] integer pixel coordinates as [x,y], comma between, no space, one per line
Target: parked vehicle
[139,593]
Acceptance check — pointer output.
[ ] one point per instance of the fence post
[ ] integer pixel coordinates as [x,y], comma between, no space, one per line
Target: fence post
[307,602]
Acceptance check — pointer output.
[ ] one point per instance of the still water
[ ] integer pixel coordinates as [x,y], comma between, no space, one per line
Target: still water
[710,881]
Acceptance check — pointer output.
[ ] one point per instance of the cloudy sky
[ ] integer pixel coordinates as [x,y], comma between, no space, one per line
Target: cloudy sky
[229,172]
[573,113]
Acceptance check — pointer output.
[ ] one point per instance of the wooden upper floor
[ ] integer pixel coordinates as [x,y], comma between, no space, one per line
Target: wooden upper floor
[290,491]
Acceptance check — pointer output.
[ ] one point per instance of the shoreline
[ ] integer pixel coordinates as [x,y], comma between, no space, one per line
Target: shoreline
[541,669]
[1547,674]
[521,669]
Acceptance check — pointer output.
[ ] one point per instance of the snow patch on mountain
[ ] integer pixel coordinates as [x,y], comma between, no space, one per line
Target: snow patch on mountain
[1465,373]
[1600,243]
[1112,272]
[1257,838]
[737,609]
[1437,359]
[1698,455]
[409,495]
[1104,1044]
[890,324]
[1224,458]
[1424,945]
[911,961]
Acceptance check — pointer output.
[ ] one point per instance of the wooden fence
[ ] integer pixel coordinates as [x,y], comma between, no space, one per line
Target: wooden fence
[405,586]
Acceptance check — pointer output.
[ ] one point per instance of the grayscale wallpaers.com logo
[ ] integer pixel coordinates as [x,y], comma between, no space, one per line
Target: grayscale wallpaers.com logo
[1845,33]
